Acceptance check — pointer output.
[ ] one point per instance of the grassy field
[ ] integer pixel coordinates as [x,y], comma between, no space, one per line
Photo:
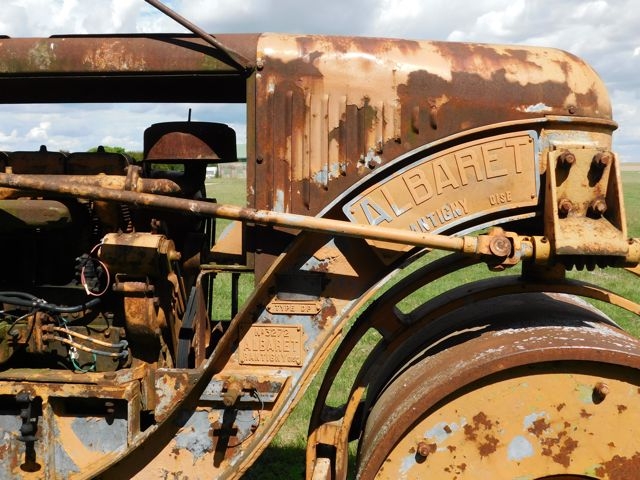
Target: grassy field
[285,457]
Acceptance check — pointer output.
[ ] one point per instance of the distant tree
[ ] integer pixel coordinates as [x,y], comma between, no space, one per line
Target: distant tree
[108,149]
[136,156]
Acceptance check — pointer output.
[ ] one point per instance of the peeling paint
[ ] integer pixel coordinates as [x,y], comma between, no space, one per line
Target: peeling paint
[97,434]
[441,431]
[194,436]
[279,205]
[407,464]
[519,448]
[64,464]
[537,108]
[531,418]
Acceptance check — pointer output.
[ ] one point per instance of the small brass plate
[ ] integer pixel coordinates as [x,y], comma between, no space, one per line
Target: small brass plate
[272,344]
[280,307]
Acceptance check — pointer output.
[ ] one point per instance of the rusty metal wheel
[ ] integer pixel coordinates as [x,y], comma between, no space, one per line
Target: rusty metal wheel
[553,394]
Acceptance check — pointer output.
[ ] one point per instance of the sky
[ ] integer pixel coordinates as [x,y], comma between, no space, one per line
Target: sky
[604,33]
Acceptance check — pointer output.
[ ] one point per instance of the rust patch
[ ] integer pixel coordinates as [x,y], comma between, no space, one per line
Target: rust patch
[585,414]
[489,446]
[480,432]
[563,457]
[621,408]
[559,448]
[328,312]
[561,406]
[345,44]
[481,419]
[470,433]
[620,468]
[538,427]
[456,469]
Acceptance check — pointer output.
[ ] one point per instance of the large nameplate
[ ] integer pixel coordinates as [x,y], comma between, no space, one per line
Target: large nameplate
[272,344]
[453,186]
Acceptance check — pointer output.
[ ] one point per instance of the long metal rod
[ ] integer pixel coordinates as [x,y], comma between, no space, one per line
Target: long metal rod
[238,60]
[262,217]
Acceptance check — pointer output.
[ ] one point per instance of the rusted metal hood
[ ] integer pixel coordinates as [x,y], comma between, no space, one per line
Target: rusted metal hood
[335,108]
[440,75]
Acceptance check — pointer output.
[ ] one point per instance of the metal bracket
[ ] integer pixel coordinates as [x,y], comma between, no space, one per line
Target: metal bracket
[584,210]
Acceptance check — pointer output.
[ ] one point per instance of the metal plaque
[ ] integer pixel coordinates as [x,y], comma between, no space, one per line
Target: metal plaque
[272,344]
[278,307]
[453,186]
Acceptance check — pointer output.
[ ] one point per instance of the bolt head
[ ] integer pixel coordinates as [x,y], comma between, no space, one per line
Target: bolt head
[500,246]
[424,449]
[599,207]
[564,207]
[566,159]
[602,159]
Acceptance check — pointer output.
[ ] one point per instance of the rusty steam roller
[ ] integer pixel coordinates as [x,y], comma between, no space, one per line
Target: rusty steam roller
[115,363]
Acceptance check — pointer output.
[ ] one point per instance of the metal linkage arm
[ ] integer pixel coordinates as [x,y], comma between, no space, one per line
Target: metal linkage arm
[505,248]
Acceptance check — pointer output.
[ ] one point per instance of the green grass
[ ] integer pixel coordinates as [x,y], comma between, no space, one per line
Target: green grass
[231,191]
[631,185]
[285,457]
[226,190]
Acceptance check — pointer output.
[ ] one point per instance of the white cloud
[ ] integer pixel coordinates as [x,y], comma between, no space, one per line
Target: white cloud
[502,23]
[39,133]
[124,14]
[589,11]
[8,141]
[392,12]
